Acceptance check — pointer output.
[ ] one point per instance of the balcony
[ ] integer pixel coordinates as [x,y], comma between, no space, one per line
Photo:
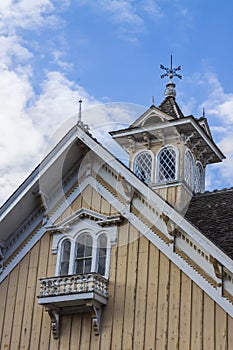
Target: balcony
[73,294]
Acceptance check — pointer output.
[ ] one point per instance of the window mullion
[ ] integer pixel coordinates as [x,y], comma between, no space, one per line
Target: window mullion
[72,257]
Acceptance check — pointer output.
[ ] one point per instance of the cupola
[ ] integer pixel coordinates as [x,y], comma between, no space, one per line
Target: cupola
[169,151]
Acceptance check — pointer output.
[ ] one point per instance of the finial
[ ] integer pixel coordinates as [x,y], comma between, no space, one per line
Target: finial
[203,113]
[80,123]
[80,110]
[153,100]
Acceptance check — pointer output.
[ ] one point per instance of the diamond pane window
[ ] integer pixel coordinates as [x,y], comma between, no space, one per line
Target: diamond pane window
[198,178]
[167,165]
[188,169]
[143,167]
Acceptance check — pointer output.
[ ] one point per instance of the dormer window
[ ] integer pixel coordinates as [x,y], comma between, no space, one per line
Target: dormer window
[101,255]
[167,165]
[198,178]
[65,258]
[143,166]
[87,253]
[82,243]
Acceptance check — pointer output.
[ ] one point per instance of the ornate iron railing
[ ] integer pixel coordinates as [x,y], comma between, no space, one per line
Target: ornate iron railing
[74,284]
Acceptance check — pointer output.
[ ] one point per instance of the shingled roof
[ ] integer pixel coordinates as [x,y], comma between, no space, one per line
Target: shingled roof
[211,212]
[170,107]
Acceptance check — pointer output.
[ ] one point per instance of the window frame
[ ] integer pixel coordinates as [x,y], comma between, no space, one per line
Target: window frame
[192,168]
[134,160]
[202,179]
[73,251]
[158,164]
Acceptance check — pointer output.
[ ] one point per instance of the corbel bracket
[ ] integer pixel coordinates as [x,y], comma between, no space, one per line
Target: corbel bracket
[195,144]
[146,138]
[127,187]
[217,267]
[189,137]
[201,153]
[208,159]
[96,319]
[161,137]
[55,320]
[132,143]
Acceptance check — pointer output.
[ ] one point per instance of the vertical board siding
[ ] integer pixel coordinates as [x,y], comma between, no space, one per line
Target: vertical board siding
[141,294]
[131,280]
[118,312]
[152,297]
[151,305]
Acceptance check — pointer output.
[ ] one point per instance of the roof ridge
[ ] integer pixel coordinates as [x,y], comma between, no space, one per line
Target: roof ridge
[215,191]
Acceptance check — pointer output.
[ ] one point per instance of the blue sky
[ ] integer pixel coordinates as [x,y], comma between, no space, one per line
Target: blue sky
[53,52]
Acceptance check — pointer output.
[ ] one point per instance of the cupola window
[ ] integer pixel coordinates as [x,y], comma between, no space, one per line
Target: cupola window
[198,178]
[143,166]
[167,165]
[188,169]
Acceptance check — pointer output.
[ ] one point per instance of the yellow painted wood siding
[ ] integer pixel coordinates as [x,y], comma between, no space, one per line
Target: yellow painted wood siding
[152,304]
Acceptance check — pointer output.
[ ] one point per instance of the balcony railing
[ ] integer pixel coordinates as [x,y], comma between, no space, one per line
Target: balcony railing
[73,294]
[75,284]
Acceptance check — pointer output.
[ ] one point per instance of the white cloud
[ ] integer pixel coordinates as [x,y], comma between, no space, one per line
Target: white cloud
[25,14]
[219,107]
[122,11]
[152,8]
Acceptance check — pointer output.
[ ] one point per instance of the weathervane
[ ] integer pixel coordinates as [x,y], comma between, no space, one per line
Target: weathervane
[171,72]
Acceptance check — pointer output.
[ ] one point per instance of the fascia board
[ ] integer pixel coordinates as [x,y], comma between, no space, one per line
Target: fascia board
[40,170]
[183,121]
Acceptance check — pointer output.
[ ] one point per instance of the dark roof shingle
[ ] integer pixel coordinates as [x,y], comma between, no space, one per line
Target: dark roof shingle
[212,214]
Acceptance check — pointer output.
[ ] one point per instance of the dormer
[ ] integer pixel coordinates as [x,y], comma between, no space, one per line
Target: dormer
[82,245]
[169,151]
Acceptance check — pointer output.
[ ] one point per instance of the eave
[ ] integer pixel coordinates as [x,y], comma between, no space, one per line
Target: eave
[184,125]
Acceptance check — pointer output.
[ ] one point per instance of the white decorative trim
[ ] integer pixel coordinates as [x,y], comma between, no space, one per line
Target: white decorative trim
[84,226]
[183,121]
[154,201]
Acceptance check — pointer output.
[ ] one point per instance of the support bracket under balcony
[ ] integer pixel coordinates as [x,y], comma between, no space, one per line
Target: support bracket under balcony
[55,319]
[96,319]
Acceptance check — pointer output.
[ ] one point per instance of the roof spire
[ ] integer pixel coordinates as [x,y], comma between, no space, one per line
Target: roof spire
[80,123]
[203,113]
[171,73]
[80,110]
[153,100]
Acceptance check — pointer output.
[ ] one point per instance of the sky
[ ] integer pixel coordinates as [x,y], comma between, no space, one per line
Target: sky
[108,53]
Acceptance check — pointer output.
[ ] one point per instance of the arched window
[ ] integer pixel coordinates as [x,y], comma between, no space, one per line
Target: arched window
[166,165]
[101,255]
[65,257]
[84,254]
[198,178]
[188,168]
[143,166]
[87,253]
